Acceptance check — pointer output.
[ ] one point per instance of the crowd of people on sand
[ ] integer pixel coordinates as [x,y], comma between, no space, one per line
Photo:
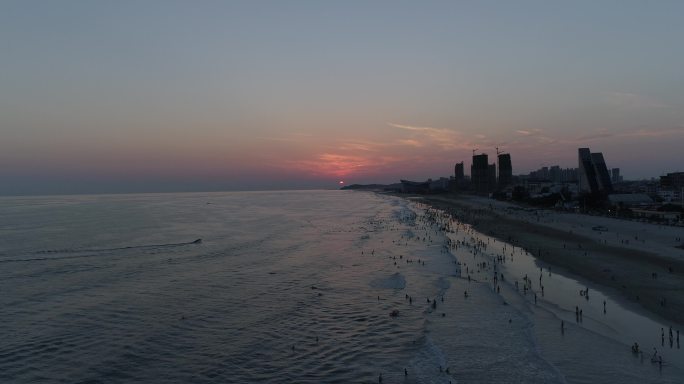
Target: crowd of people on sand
[478,246]
[450,224]
[452,221]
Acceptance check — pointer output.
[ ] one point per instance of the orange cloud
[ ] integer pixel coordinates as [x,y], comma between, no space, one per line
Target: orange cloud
[445,139]
[339,165]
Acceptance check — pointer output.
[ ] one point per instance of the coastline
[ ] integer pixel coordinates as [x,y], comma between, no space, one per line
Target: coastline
[623,267]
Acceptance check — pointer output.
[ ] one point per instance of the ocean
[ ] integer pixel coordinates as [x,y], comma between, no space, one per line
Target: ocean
[286,287]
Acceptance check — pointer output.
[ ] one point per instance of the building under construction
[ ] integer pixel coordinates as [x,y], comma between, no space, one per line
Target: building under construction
[482,174]
[505,170]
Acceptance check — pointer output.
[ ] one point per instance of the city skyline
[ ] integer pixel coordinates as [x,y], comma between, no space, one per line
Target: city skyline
[173,96]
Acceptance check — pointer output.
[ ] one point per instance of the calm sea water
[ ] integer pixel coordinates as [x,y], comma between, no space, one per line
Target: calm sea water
[284,287]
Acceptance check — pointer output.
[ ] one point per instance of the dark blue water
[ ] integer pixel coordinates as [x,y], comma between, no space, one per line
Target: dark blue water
[284,287]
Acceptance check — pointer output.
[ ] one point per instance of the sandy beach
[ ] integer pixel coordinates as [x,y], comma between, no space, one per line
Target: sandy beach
[637,261]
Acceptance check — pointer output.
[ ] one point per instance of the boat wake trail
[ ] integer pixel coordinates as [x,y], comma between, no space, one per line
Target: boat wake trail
[81,253]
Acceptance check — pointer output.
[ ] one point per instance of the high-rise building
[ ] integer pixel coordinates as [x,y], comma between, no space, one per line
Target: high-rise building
[674,180]
[592,172]
[568,175]
[615,175]
[587,176]
[545,173]
[555,174]
[479,173]
[602,175]
[505,170]
[459,171]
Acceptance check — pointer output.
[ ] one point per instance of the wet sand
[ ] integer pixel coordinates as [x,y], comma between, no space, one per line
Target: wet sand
[617,258]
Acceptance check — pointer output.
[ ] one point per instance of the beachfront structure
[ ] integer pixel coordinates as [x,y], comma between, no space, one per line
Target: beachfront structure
[630,199]
[422,187]
[505,170]
[667,217]
[459,171]
[672,187]
[674,180]
[408,186]
[593,173]
[439,185]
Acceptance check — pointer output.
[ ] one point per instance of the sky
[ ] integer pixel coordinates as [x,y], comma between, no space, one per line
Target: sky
[154,96]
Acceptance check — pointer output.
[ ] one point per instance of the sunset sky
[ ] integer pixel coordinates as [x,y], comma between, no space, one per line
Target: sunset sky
[129,96]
